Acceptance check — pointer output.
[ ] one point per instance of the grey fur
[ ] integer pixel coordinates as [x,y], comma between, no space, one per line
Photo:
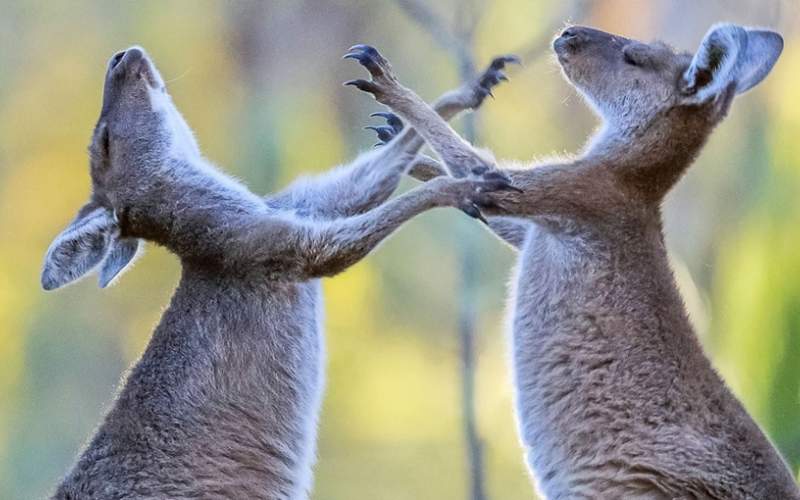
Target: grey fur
[615,397]
[224,401]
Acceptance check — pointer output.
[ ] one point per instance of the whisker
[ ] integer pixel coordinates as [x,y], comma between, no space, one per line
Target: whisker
[178,77]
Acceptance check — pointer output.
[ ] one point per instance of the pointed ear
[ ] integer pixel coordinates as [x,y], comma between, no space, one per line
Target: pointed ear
[122,253]
[80,247]
[730,55]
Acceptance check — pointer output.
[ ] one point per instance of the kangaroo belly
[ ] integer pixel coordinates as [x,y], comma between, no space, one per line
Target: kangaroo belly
[614,396]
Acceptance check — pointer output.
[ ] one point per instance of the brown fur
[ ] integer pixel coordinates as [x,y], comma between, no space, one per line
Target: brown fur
[615,396]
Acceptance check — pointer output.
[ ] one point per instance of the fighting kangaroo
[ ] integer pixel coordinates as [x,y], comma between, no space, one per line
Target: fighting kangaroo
[224,401]
[615,398]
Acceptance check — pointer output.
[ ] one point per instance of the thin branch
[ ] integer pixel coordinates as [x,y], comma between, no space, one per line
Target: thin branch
[431,23]
[460,43]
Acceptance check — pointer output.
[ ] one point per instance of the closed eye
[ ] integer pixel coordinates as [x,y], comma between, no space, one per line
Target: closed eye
[630,60]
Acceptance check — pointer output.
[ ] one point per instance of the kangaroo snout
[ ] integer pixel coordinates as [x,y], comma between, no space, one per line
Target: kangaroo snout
[127,56]
[575,38]
[134,61]
[115,60]
[570,40]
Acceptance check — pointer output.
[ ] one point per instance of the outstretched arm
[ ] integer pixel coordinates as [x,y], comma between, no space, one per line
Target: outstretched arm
[374,175]
[458,156]
[293,249]
[545,190]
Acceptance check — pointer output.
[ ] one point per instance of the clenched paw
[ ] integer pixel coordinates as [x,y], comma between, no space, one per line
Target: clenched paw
[470,195]
[382,81]
[493,75]
[481,87]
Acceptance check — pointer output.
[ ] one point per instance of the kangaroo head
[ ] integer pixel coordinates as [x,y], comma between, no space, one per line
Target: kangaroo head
[651,97]
[138,129]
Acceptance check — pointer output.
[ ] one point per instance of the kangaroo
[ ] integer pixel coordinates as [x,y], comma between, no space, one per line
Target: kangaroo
[614,396]
[224,401]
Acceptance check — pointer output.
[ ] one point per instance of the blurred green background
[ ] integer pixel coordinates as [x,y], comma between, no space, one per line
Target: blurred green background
[260,84]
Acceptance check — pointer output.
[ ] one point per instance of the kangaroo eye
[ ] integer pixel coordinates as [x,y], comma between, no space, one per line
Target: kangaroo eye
[630,60]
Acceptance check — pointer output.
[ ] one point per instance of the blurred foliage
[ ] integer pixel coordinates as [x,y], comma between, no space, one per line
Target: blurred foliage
[260,84]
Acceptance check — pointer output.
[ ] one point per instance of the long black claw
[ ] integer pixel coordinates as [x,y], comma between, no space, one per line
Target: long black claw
[473,211]
[363,85]
[367,56]
[392,120]
[385,133]
[362,47]
[498,181]
[360,51]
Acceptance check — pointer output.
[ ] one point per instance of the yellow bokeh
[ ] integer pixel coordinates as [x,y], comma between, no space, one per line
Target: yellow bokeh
[260,84]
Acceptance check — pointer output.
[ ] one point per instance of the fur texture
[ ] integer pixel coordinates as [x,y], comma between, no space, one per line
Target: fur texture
[224,401]
[615,398]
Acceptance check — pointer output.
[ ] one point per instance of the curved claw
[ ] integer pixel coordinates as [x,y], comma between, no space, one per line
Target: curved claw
[392,119]
[360,50]
[362,47]
[496,180]
[363,85]
[368,56]
[473,211]
[385,133]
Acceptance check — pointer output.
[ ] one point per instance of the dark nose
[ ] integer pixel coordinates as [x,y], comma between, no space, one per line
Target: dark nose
[574,38]
[569,33]
[127,56]
[568,42]
[116,59]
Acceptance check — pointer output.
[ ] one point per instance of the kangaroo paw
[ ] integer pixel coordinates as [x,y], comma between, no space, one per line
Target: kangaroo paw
[383,82]
[394,125]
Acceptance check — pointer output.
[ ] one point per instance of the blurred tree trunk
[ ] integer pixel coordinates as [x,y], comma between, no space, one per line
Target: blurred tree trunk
[460,43]
[251,35]
[469,13]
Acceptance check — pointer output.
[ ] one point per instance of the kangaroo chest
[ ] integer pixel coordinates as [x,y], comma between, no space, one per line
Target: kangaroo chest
[571,343]
[231,383]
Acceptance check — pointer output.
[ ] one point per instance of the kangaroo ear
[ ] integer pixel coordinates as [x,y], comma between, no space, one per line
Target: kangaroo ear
[123,251]
[80,247]
[730,55]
